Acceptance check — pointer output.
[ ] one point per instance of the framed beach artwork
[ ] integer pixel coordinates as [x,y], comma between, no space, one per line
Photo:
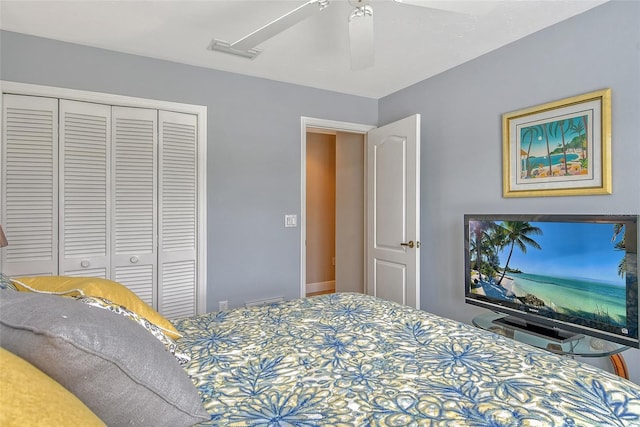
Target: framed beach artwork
[562,148]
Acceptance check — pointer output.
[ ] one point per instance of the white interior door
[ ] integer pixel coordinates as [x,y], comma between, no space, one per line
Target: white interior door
[393,211]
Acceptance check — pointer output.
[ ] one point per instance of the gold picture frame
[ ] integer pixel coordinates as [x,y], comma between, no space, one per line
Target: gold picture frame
[562,148]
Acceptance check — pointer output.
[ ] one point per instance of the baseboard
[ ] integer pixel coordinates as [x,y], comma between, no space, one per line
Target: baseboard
[329,285]
[263,301]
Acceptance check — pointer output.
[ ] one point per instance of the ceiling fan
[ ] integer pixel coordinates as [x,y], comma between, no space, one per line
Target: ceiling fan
[360,26]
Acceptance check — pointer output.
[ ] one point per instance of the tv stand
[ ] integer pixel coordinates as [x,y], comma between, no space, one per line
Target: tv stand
[553,334]
[572,345]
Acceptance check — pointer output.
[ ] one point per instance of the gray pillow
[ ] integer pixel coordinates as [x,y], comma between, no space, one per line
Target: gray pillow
[117,368]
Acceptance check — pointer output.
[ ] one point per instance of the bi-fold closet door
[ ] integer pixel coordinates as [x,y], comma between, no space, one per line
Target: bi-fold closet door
[110,192]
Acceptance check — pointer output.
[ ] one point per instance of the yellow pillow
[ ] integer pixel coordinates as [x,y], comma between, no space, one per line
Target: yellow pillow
[29,397]
[95,287]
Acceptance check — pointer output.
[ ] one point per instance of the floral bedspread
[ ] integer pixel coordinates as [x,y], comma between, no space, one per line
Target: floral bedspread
[354,360]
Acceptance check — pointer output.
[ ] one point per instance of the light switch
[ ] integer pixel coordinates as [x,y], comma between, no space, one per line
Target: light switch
[291,220]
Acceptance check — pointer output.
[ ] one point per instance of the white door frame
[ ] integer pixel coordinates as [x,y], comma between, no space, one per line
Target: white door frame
[329,125]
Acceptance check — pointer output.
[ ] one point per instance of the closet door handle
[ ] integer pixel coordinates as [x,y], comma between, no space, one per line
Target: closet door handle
[85,263]
[133,259]
[410,244]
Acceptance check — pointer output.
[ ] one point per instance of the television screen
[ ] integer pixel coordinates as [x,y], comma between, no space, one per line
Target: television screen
[570,272]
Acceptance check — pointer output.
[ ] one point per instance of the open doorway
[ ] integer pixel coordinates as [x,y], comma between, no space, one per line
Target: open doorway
[392,208]
[321,212]
[333,207]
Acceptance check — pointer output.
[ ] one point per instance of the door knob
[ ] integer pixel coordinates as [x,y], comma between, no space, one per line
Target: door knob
[134,259]
[410,244]
[84,263]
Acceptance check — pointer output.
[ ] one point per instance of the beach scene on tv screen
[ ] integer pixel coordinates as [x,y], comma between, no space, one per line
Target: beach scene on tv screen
[557,269]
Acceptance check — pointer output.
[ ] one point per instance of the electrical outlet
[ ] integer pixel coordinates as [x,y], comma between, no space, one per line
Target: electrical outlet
[223,305]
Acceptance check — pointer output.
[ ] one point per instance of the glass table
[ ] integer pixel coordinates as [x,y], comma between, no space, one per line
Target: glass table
[580,345]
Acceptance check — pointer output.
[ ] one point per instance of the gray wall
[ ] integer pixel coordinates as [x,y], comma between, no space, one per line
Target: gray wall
[462,139]
[253,150]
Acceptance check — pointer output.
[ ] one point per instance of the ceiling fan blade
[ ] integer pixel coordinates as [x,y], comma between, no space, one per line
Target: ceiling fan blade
[470,7]
[277,26]
[361,38]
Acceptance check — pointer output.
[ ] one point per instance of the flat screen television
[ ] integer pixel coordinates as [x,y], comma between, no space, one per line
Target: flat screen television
[556,274]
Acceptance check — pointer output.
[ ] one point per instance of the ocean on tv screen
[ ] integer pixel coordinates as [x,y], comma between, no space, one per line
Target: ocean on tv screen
[574,270]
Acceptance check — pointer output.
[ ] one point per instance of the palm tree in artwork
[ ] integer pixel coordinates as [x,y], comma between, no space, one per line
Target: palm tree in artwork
[561,127]
[579,127]
[584,142]
[531,133]
[517,234]
[545,132]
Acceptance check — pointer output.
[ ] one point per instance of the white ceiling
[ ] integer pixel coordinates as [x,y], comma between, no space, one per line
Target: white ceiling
[412,43]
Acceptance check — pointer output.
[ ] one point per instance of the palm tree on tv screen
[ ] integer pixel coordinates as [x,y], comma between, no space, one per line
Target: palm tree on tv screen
[517,234]
[620,245]
[482,242]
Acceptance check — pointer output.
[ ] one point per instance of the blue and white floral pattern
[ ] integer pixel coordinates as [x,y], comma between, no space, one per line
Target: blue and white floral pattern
[354,360]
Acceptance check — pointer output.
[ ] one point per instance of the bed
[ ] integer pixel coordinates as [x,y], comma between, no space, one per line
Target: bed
[333,360]
[351,359]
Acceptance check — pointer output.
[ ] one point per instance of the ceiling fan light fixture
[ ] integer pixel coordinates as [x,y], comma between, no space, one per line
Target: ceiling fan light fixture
[361,37]
[223,46]
[286,21]
[361,11]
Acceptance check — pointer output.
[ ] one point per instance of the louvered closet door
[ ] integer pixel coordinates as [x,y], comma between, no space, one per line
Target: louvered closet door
[134,204]
[177,214]
[29,204]
[84,188]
